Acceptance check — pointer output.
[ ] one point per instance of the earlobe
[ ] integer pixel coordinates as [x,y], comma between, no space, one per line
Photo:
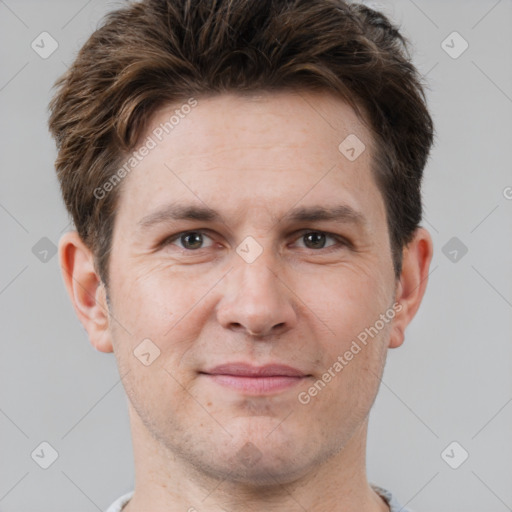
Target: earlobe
[85,289]
[412,284]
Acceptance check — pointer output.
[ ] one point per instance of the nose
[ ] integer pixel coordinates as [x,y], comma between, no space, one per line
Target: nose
[256,300]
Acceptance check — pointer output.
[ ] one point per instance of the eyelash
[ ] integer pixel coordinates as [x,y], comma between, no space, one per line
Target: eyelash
[341,242]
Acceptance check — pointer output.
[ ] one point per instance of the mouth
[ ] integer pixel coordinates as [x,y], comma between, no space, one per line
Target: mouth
[255,380]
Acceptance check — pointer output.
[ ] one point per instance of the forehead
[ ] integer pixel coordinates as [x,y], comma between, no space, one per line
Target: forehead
[233,150]
[307,121]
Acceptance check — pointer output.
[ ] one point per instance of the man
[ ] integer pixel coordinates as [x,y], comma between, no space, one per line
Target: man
[285,142]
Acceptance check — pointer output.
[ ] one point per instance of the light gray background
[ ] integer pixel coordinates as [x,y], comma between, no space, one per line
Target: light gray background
[451,380]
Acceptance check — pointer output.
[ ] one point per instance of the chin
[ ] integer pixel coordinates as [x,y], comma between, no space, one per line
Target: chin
[268,471]
[262,457]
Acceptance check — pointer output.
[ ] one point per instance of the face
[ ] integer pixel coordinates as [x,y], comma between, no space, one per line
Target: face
[254,255]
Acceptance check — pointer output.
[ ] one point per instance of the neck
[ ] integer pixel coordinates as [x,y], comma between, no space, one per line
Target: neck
[165,482]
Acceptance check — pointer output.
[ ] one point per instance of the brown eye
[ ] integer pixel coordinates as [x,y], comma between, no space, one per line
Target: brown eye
[188,240]
[191,240]
[317,240]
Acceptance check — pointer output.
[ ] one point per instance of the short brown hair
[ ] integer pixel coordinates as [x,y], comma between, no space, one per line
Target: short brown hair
[156,52]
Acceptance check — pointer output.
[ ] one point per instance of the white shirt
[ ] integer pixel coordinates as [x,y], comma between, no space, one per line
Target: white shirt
[394,506]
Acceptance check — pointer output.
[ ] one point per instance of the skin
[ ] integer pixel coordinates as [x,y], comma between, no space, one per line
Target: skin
[300,303]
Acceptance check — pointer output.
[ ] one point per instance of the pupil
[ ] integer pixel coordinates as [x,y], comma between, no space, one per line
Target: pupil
[316,237]
[197,241]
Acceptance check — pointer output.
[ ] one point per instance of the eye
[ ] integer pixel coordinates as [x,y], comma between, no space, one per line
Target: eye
[190,240]
[317,239]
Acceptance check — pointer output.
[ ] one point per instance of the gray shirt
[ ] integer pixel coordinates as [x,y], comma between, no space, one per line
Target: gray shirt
[385,494]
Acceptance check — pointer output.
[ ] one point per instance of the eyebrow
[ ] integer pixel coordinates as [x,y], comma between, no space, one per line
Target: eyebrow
[340,213]
[172,212]
[179,212]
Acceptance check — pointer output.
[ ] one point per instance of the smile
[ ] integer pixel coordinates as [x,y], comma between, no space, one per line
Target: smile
[256,380]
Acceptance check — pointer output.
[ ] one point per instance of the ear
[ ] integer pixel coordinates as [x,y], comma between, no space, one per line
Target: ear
[416,258]
[85,289]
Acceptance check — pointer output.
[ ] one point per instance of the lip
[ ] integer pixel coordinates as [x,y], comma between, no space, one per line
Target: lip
[256,380]
[249,370]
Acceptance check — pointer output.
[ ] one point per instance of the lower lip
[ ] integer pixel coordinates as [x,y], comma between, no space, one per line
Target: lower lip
[256,385]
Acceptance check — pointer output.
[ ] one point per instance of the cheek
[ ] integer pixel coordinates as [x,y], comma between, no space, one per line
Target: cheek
[350,304]
[349,300]
[168,306]
[156,315]
[157,297]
